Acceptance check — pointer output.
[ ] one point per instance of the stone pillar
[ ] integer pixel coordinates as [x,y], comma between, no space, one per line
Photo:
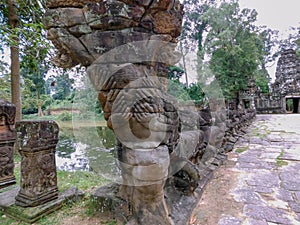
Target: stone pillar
[36,141]
[7,141]
[283,105]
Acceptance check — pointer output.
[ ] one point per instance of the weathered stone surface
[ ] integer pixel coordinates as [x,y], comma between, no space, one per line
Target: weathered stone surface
[164,22]
[248,196]
[36,141]
[7,198]
[288,73]
[7,141]
[64,17]
[295,206]
[32,214]
[100,42]
[69,3]
[229,220]
[258,222]
[285,195]
[72,51]
[289,177]
[297,194]
[8,110]
[79,18]
[267,213]
[286,86]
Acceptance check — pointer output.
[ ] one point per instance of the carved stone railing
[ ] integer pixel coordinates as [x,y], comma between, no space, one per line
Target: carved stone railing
[165,150]
[7,141]
[36,142]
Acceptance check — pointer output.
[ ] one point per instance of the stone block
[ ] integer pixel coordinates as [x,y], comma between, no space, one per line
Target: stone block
[32,214]
[36,142]
[63,17]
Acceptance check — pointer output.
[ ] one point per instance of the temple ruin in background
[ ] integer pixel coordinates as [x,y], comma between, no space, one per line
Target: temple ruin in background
[285,92]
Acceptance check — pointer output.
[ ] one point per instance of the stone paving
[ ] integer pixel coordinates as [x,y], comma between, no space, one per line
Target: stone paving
[260,182]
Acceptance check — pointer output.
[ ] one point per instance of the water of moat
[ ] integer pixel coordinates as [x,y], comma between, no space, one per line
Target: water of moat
[86,148]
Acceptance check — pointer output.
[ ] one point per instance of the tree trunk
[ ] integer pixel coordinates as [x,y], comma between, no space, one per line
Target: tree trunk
[39,104]
[184,65]
[15,61]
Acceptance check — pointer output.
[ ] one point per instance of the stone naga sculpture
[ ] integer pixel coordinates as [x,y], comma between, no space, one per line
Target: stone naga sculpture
[127,46]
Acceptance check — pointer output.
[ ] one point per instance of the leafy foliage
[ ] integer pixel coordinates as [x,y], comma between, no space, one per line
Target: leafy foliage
[235,49]
[63,86]
[35,54]
[4,83]
[180,91]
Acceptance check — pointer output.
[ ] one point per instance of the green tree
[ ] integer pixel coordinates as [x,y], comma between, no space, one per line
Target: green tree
[4,82]
[236,47]
[13,23]
[195,24]
[26,37]
[183,92]
[63,86]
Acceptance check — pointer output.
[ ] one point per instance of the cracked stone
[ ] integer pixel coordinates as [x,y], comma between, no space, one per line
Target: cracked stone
[259,189]
[230,220]
[295,206]
[258,165]
[297,194]
[266,213]
[257,222]
[248,159]
[285,195]
[290,177]
[264,179]
[248,196]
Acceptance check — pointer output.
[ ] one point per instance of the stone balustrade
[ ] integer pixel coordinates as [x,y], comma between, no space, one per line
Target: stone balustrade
[36,142]
[166,149]
[7,141]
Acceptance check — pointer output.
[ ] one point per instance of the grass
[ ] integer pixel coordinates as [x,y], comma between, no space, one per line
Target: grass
[261,131]
[84,209]
[85,181]
[279,160]
[65,116]
[242,149]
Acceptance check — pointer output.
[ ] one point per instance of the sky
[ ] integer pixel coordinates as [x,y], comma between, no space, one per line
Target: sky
[276,14]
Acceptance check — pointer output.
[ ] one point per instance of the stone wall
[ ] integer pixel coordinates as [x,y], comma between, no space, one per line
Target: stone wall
[266,103]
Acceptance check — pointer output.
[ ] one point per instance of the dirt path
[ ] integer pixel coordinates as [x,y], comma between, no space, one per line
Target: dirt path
[216,201]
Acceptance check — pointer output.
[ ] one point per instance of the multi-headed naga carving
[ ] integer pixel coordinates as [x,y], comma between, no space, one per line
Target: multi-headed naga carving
[127,46]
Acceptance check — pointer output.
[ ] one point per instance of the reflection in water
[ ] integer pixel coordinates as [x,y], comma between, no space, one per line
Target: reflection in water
[74,161]
[86,149]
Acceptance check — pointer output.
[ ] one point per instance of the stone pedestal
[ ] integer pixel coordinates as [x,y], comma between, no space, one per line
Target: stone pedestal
[7,141]
[36,141]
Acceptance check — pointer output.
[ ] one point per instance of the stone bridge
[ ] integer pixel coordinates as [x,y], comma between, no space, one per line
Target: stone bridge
[260,182]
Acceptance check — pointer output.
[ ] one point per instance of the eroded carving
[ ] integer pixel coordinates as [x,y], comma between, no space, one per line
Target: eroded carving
[7,141]
[36,141]
[166,149]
